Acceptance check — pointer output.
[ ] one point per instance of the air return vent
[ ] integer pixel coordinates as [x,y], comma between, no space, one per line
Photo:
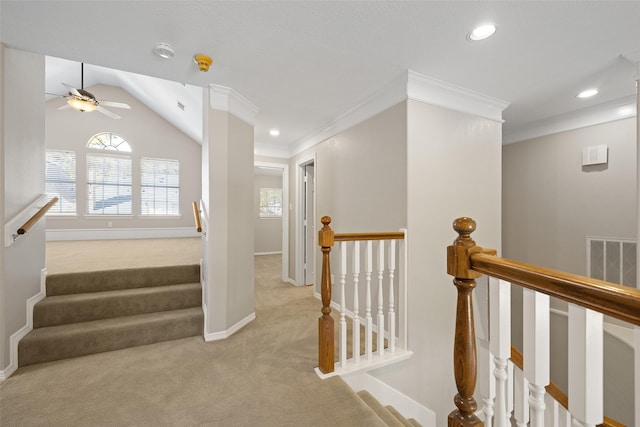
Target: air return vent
[612,260]
[181,105]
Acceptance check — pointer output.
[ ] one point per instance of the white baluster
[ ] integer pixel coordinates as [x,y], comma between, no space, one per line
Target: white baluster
[392,312]
[500,344]
[368,338]
[520,398]
[343,320]
[485,381]
[536,350]
[564,419]
[356,303]
[551,415]
[585,367]
[509,390]
[380,298]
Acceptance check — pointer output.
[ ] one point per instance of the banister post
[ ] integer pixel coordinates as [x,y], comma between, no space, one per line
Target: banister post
[325,322]
[464,351]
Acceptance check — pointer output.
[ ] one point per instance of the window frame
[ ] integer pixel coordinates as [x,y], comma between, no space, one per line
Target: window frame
[166,187]
[262,215]
[108,154]
[56,210]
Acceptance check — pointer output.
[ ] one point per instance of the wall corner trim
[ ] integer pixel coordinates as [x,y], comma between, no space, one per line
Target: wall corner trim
[221,335]
[437,92]
[15,338]
[224,98]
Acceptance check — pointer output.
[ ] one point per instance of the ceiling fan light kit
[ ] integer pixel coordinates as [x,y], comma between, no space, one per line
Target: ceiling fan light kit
[81,105]
[203,61]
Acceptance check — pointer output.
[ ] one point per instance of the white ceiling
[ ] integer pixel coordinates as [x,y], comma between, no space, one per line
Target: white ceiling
[305,63]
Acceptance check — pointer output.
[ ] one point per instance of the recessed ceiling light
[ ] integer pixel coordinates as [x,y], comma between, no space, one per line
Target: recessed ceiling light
[482,32]
[164,50]
[587,93]
[274,132]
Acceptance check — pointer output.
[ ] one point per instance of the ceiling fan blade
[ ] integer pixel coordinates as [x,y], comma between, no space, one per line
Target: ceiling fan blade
[107,112]
[115,104]
[72,90]
[64,107]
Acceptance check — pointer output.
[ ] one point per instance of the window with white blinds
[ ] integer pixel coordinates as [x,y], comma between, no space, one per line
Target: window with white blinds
[159,187]
[60,181]
[108,185]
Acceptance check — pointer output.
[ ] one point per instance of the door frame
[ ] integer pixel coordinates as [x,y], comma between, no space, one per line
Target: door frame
[299,240]
[285,213]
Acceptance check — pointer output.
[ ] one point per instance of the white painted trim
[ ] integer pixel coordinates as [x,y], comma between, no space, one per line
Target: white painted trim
[299,207]
[597,114]
[286,215]
[120,233]
[267,253]
[11,227]
[622,333]
[290,280]
[437,92]
[389,95]
[387,395]
[224,98]
[215,336]
[14,339]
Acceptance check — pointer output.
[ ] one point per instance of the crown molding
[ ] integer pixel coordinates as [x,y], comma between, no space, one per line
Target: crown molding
[391,94]
[409,85]
[597,114]
[271,150]
[437,92]
[224,98]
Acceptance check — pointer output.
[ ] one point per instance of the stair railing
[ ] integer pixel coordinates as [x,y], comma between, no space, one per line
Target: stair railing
[588,300]
[196,217]
[10,235]
[378,260]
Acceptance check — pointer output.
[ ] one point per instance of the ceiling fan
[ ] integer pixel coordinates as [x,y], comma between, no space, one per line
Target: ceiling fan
[85,101]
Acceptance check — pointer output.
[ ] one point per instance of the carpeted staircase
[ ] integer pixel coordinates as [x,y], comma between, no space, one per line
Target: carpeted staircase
[93,312]
[388,414]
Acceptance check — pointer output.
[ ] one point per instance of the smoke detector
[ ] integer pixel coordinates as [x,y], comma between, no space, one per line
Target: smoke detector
[203,61]
[164,50]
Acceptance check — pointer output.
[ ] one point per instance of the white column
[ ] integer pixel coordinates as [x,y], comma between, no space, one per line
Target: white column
[585,365]
[500,343]
[536,351]
[356,302]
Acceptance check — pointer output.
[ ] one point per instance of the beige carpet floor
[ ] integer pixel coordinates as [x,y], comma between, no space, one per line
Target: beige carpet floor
[261,376]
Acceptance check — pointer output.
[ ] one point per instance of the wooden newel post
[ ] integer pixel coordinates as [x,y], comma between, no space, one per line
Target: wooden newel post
[464,348]
[325,323]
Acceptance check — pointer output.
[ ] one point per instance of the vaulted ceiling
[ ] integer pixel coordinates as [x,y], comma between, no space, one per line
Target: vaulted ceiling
[306,63]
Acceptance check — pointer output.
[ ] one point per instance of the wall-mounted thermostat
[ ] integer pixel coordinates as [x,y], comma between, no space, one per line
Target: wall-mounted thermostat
[595,155]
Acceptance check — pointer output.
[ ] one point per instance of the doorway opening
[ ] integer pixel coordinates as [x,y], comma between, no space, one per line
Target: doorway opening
[306,242]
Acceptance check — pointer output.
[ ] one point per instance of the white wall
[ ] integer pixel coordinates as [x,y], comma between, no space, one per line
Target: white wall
[23,136]
[453,170]
[149,136]
[268,231]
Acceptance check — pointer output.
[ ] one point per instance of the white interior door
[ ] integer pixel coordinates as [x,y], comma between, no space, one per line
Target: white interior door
[309,225]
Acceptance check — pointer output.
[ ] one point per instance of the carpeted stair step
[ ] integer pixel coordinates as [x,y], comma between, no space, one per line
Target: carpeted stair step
[79,339]
[85,307]
[387,417]
[111,280]
[405,422]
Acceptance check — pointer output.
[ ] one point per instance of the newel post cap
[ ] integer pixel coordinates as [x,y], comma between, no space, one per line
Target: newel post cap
[325,235]
[458,262]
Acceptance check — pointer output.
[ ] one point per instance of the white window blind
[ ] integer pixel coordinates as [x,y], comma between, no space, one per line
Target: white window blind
[159,187]
[108,185]
[270,202]
[60,181]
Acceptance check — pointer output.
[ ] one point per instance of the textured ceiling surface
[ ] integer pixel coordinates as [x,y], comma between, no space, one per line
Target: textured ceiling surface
[305,63]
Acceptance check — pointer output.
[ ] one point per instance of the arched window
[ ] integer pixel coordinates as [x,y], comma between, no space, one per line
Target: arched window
[109,141]
[108,176]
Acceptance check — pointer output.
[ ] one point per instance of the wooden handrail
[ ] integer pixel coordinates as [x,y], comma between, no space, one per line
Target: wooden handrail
[31,221]
[196,216]
[554,391]
[621,302]
[466,261]
[352,237]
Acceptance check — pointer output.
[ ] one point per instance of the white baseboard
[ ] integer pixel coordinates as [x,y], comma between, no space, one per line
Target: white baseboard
[268,253]
[22,332]
[214,336]
[120,233]
[290,280]
[388,395]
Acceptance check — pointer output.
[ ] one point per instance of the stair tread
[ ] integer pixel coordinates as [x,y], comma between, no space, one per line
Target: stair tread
[387,417]
[74,308]
[405,422]
[108,280]
[80,339]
